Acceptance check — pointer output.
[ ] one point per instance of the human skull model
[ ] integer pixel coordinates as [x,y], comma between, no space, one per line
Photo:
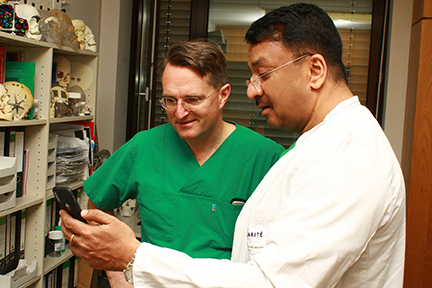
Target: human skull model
[33,31]
[56,27]
[63,71]
[58,93]
[30,13]
[15,101]
[80,28]
[90,43]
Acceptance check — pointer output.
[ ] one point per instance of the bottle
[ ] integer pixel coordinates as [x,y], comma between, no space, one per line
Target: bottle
[82,108]
[59,108]
[74,103]
[56,241]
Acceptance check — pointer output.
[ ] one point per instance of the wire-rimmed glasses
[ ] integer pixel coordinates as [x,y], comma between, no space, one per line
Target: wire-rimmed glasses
[189,103]
[255,80]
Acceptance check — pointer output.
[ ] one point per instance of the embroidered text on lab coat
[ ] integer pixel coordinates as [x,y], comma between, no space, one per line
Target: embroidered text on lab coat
[256,238]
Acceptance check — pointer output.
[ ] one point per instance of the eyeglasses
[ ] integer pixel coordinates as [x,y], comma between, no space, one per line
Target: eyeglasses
[189,103]
[256,83]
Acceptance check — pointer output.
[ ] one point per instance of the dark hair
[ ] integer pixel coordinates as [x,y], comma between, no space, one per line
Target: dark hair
[302,28]
[202,55]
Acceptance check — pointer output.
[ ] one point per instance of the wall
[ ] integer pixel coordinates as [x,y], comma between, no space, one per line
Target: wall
[88,11]
[396,82]
[114,51]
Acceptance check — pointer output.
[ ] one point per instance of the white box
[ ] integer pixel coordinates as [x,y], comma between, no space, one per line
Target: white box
[22,274]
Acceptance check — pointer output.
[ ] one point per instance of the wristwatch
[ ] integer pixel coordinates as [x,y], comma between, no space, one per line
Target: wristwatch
[128,271]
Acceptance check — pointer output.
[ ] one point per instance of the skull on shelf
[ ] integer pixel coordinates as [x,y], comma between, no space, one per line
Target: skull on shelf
[15,101]
[63,71]
[80,28]
[56,27]
[57,93]
[29,13]
[7,14]
[90,43]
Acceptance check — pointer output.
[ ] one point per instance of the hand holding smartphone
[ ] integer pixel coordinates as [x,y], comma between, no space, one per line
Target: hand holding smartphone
[66,200]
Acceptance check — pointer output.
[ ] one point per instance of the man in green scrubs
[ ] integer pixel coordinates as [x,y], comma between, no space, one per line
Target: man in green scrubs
[191,176]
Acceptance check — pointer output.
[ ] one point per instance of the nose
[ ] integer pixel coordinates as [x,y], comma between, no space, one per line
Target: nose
[252,93]
[180,110]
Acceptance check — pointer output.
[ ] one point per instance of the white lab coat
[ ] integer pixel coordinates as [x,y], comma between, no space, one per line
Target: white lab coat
[330,213]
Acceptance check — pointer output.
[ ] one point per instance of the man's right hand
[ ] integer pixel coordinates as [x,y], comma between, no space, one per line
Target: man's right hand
[105,244]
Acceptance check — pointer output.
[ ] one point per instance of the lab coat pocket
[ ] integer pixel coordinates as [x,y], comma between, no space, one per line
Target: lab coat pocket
[258,226]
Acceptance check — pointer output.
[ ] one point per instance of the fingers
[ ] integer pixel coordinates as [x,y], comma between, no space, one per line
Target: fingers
[66,218]
[97,216]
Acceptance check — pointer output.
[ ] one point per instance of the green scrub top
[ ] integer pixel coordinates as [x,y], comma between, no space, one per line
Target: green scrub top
[183,205]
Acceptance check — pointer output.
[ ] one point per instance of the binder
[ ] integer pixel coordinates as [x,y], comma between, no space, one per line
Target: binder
[73,275]
[2,140]
[11,139]
[12,238]
[22,218]
[55,215]
[49,280]
[59,278]
[19,155]
[25,171]
[9,142]
[48,221]
[8,242]
[3,245]
[65,275]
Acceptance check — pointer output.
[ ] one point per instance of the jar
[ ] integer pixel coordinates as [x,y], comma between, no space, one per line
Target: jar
[55,237]
[82,108]
[59,108]
[74,103]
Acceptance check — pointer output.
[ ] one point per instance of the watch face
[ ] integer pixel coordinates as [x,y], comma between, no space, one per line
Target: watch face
[128,272]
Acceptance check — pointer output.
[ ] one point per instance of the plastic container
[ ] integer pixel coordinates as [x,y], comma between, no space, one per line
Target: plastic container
[63,245]
[59,108]
[55,238]
[82,108]
[74,103]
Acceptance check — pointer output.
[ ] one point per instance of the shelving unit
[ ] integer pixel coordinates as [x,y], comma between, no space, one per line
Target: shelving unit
[36,140]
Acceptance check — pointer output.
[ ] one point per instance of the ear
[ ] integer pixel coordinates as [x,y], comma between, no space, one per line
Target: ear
[224,93]
[318,71]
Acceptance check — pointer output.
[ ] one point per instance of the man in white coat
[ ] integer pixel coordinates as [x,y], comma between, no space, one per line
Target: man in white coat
[329,213]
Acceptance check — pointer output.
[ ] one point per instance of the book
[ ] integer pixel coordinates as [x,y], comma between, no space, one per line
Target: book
[3,245]
[15,56]
[9,146]
[23,215]
[25,170]
[12,56]
[2,63]
[24,73]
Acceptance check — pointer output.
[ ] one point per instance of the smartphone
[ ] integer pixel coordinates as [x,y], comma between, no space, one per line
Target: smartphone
[66,200]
